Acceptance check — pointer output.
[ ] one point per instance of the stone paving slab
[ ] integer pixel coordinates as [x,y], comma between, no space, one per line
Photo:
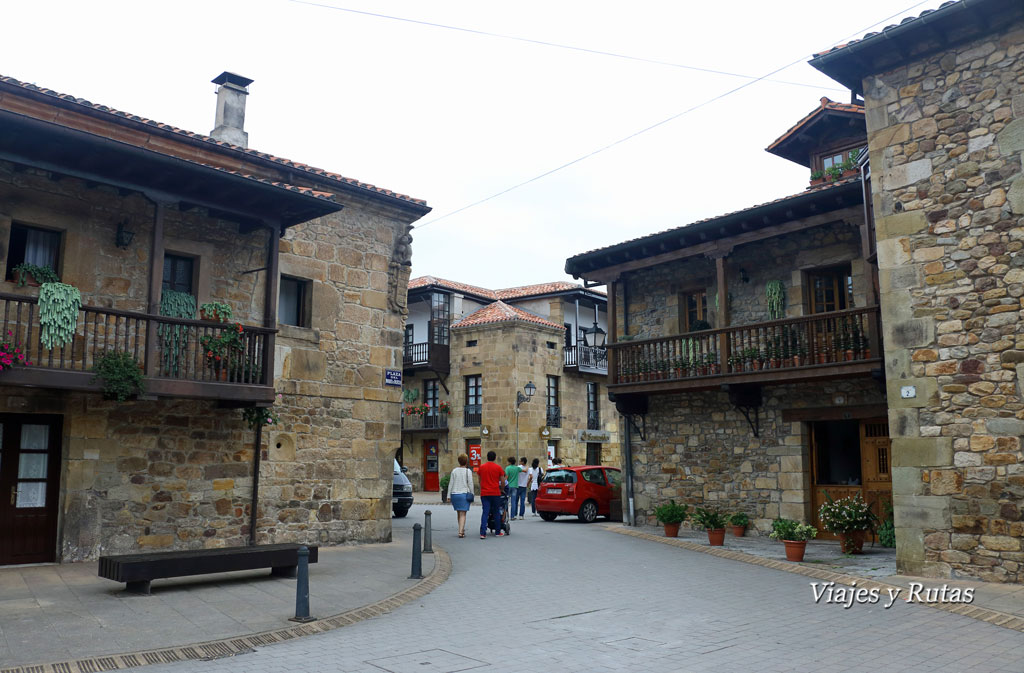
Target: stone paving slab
[49,613]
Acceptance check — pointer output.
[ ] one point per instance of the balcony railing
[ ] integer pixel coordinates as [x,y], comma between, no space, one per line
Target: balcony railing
[593,420]
[587,358]
[471,415]
[170,352]
[427,355]
[764,351]
[554,417]
[433,421]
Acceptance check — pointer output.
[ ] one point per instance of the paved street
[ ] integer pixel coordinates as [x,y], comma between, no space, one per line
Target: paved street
[568,597]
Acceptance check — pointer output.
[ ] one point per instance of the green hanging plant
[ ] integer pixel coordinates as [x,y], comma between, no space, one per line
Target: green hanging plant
[174,338]
[410,395]
[174,304]
[120,374]
[58,313]
[775,296]
[41,274]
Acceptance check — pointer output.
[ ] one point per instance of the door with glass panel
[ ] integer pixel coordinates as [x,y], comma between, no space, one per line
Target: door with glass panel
[29,474]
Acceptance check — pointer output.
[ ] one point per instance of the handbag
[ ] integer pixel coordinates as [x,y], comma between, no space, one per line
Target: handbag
[469,497]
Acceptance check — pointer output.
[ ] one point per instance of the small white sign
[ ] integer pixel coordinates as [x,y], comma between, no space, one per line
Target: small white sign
[908,392]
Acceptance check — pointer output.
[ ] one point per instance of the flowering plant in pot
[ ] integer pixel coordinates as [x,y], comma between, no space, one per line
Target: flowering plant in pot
[713,522]
[11,353]
[794,535]
[224,350]
[215,311]
[850,518]
[671,515]
[739,522]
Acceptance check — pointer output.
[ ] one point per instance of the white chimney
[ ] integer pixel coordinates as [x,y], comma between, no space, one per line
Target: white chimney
[231,92]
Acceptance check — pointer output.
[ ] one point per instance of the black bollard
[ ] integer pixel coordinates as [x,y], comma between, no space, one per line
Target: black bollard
[417,559]
[427,548]
[302,589]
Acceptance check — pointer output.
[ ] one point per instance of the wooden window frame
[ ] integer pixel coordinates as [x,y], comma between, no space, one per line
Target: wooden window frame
[14,259]
[304,300]
[193,281]
[843,294]
[703,312]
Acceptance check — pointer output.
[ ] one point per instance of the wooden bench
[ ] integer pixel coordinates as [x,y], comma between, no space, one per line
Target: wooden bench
[138,570]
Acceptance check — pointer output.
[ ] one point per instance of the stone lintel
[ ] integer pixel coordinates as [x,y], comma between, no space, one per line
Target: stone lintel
[922,451]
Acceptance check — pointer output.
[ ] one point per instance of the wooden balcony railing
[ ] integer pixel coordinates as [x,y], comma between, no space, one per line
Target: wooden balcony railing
[431,421]
[789,345]
[427,355]
[170,351]
[587,358]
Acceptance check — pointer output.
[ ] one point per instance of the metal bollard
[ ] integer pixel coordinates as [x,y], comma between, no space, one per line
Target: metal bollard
[302,589]
[417,559]
[427,548]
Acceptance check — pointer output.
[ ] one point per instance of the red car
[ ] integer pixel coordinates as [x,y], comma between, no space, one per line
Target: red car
[586,492]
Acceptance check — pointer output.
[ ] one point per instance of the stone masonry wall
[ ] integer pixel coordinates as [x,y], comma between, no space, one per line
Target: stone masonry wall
[701,451]
[946,136]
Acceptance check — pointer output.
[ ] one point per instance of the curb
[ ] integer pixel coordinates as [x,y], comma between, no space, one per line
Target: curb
[1007,621]
[229,647]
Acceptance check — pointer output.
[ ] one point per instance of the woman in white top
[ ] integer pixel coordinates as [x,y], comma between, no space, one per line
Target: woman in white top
[460,490]
[535,476]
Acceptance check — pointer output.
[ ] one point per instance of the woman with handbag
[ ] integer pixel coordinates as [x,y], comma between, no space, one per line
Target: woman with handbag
[460,490]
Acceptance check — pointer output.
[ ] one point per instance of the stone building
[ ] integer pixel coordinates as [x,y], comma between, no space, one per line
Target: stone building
[745,356]
[944,97]
[471,350]
[127,209]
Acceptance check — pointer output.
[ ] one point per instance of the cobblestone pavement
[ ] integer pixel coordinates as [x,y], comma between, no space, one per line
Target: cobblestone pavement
[564,596]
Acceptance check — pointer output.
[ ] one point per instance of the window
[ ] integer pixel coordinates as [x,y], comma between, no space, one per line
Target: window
[470,343]
[431,397]
[178,273]
[831,290]
[831,158]
[474,401]
[430,393]
[593,453]
[593,408]
[293,305]
[554,415]
[410,336]
[568,336]
[440,312]
[593,477]
[693,310]
[557,475]
[30,245]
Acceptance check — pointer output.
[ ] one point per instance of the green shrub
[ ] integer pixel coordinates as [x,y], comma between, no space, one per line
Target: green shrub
[120,375]
[709,519]
[739,519]
[794,531]
[670,512]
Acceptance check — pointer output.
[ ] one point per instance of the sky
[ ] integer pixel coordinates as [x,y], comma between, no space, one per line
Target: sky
[436,102]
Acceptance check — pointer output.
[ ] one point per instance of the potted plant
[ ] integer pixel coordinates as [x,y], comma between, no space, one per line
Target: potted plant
[753,358]
[850,518]
[713,522]
[120,375]
[11,353]
[712,359]
[59,304]
[817,177]
[671,515]
[443,483]
[735,363]
[850,165]
[794,535]
[215,311]
[739,522]
[30,274]
[833,173]
[223,350]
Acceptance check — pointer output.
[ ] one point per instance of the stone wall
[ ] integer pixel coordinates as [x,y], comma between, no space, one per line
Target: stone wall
[945,137]
[702,451]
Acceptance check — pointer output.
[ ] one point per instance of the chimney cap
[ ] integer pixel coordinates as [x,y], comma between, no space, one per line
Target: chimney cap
[232,79]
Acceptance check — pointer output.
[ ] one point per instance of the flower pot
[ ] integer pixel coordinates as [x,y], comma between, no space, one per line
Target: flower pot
[797,360]
[817,181]
[848,354]
[849,174]
[795,550]
[444,495]
[852,542]
[25,278]
[737,531]
[671,530]
[716,537]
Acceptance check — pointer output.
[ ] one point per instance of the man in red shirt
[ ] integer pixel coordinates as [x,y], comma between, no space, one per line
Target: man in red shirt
[491,477]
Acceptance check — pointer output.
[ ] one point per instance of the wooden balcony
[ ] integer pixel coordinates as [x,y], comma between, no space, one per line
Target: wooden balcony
[587,359]
[426,356]
[820,346]
[169,351]
[431,422]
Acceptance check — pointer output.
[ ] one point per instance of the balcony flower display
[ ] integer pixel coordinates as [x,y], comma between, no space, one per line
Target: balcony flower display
[224,350]
[11,353]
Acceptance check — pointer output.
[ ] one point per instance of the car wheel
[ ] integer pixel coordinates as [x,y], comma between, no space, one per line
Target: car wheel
[399,513]
[588,512]
[548,516]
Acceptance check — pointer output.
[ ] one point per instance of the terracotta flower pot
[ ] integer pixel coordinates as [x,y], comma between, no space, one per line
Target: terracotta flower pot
[852,542]
[795,550]
[738,531]
[716,537]
[671,530]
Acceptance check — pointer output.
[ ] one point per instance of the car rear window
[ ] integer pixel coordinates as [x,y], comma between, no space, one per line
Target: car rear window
[560,477]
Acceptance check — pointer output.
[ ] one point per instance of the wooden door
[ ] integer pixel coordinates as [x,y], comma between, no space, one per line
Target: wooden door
[431,479]
[29,479]
[876,464]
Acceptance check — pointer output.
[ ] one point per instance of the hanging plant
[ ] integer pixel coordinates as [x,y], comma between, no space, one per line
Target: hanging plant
[775,297]
[40,274]
[214,310]
[120,374]
[58,313]
[409,395]
[174,304]
[257,416]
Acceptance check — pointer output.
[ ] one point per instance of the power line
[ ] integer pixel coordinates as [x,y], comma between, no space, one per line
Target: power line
[556,45]
[648,128]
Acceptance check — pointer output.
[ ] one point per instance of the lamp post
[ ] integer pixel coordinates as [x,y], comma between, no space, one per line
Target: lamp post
[530,389]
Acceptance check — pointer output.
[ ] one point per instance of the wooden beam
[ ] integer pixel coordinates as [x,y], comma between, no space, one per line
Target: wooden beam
[156,277]
[835,413]
[858,368]
[271,288]
[723,310]
[610,273]
[612,330]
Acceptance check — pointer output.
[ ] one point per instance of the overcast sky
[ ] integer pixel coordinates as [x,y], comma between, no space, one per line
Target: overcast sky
[454,117]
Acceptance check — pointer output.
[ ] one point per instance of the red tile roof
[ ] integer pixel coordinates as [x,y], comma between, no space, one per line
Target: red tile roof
[521,292]
[539,289]
[427,281]
[499,312]
[889,27]
[826,105]
[120,116]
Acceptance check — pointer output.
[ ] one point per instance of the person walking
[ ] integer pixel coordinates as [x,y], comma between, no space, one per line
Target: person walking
[512,479]
[534,475]
[491,477]
[524,480]
[460,490]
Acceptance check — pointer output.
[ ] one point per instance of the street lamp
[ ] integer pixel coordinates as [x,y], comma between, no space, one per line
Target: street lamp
[530,389]
[595,333]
